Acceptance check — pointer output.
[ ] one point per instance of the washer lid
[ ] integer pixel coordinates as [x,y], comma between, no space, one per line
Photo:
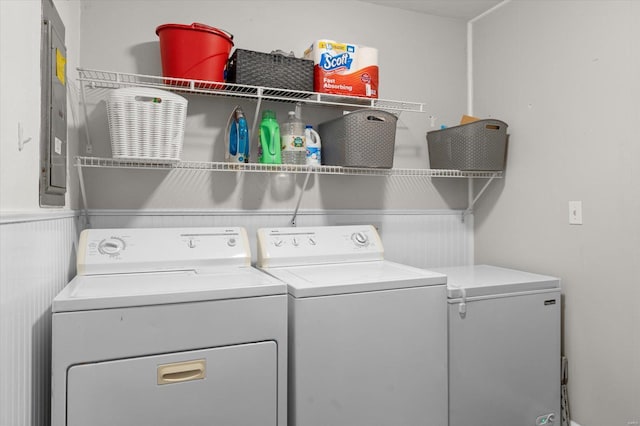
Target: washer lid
[158,288]
[324,280]
[485,280]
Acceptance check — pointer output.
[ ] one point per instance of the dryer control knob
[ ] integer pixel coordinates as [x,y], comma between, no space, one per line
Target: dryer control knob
[111,246]
[360,239]
[278,243]
[232,242]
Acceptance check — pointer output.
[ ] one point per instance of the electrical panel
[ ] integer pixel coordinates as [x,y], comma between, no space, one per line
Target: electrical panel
[53,144]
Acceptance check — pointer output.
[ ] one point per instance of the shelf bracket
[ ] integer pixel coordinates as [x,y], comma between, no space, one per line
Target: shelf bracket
[472,199]
[302,190]
[89,146]
[83,192]
[254,125]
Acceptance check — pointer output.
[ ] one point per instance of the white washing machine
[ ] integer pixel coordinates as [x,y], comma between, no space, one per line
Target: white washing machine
[169,327]
[504,347]
[367,337]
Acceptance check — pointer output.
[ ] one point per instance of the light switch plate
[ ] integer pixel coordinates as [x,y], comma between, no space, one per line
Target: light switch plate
[575,212]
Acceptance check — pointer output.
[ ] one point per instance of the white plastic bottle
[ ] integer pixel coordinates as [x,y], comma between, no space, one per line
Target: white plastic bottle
[294,149]
[314,147]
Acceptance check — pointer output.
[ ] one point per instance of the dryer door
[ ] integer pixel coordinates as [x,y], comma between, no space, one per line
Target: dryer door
[231,385]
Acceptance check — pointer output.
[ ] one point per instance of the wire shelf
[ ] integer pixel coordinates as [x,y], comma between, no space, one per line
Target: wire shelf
[97,162]
[112,80]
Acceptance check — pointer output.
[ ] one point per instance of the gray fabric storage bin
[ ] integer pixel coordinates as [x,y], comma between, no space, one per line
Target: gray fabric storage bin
[480,145]
[364,138]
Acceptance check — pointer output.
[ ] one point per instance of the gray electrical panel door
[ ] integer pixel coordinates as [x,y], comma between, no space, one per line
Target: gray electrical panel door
[53,146]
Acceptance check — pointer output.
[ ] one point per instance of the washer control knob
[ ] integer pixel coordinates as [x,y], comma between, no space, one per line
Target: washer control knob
[312,241]
[295,242]
[360,239]
[111,246]
[232,242]
[191,243]
[278,243]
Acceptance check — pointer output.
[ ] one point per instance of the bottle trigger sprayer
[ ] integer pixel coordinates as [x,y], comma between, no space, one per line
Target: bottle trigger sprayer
[237,138]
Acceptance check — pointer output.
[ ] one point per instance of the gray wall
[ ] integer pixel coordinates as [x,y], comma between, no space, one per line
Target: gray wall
[422,59]
[565,76]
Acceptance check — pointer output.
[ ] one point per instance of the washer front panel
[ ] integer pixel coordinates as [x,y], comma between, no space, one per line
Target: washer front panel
[376,358]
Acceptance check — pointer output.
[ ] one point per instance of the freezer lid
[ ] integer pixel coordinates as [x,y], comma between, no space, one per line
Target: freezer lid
[324,280]
[144,289]
[487,280]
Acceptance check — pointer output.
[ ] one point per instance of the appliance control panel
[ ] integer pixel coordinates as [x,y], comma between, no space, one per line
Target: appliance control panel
[318,245]
[102,251]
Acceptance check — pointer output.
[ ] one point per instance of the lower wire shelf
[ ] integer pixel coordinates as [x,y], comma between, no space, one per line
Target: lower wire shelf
[98,162]
[113,163]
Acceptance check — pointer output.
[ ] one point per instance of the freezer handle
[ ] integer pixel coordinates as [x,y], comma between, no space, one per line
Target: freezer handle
[185,371]
[462,306]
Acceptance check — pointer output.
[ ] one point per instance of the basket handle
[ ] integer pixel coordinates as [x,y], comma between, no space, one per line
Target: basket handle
[218,31]
[492,127]
[375,118]
[153,99]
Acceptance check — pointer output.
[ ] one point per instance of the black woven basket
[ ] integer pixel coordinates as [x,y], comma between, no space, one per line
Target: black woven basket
[270,70]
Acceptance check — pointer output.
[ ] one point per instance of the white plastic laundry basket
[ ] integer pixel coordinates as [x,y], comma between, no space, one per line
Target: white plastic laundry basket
[146,124]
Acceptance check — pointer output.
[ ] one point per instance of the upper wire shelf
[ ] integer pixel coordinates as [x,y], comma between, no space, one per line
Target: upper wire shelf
[98,162]
[114,80]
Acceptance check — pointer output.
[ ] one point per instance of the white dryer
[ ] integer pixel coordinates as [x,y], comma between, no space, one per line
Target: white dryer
[167,327]
[367,337]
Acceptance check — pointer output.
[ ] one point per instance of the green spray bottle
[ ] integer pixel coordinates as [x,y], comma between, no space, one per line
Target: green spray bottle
[269,136]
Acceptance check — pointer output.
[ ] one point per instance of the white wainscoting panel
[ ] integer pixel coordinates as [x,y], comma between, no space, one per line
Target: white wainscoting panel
[419,238]
[37,259]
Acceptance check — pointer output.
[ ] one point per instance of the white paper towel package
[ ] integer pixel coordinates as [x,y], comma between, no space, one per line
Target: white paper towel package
[344,68]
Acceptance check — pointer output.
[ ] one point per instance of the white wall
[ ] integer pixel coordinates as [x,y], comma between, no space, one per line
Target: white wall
[422,59]
[20,101]
[565,76]
[36,245]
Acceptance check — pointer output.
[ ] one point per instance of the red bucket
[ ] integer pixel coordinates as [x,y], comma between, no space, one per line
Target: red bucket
[195,52]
